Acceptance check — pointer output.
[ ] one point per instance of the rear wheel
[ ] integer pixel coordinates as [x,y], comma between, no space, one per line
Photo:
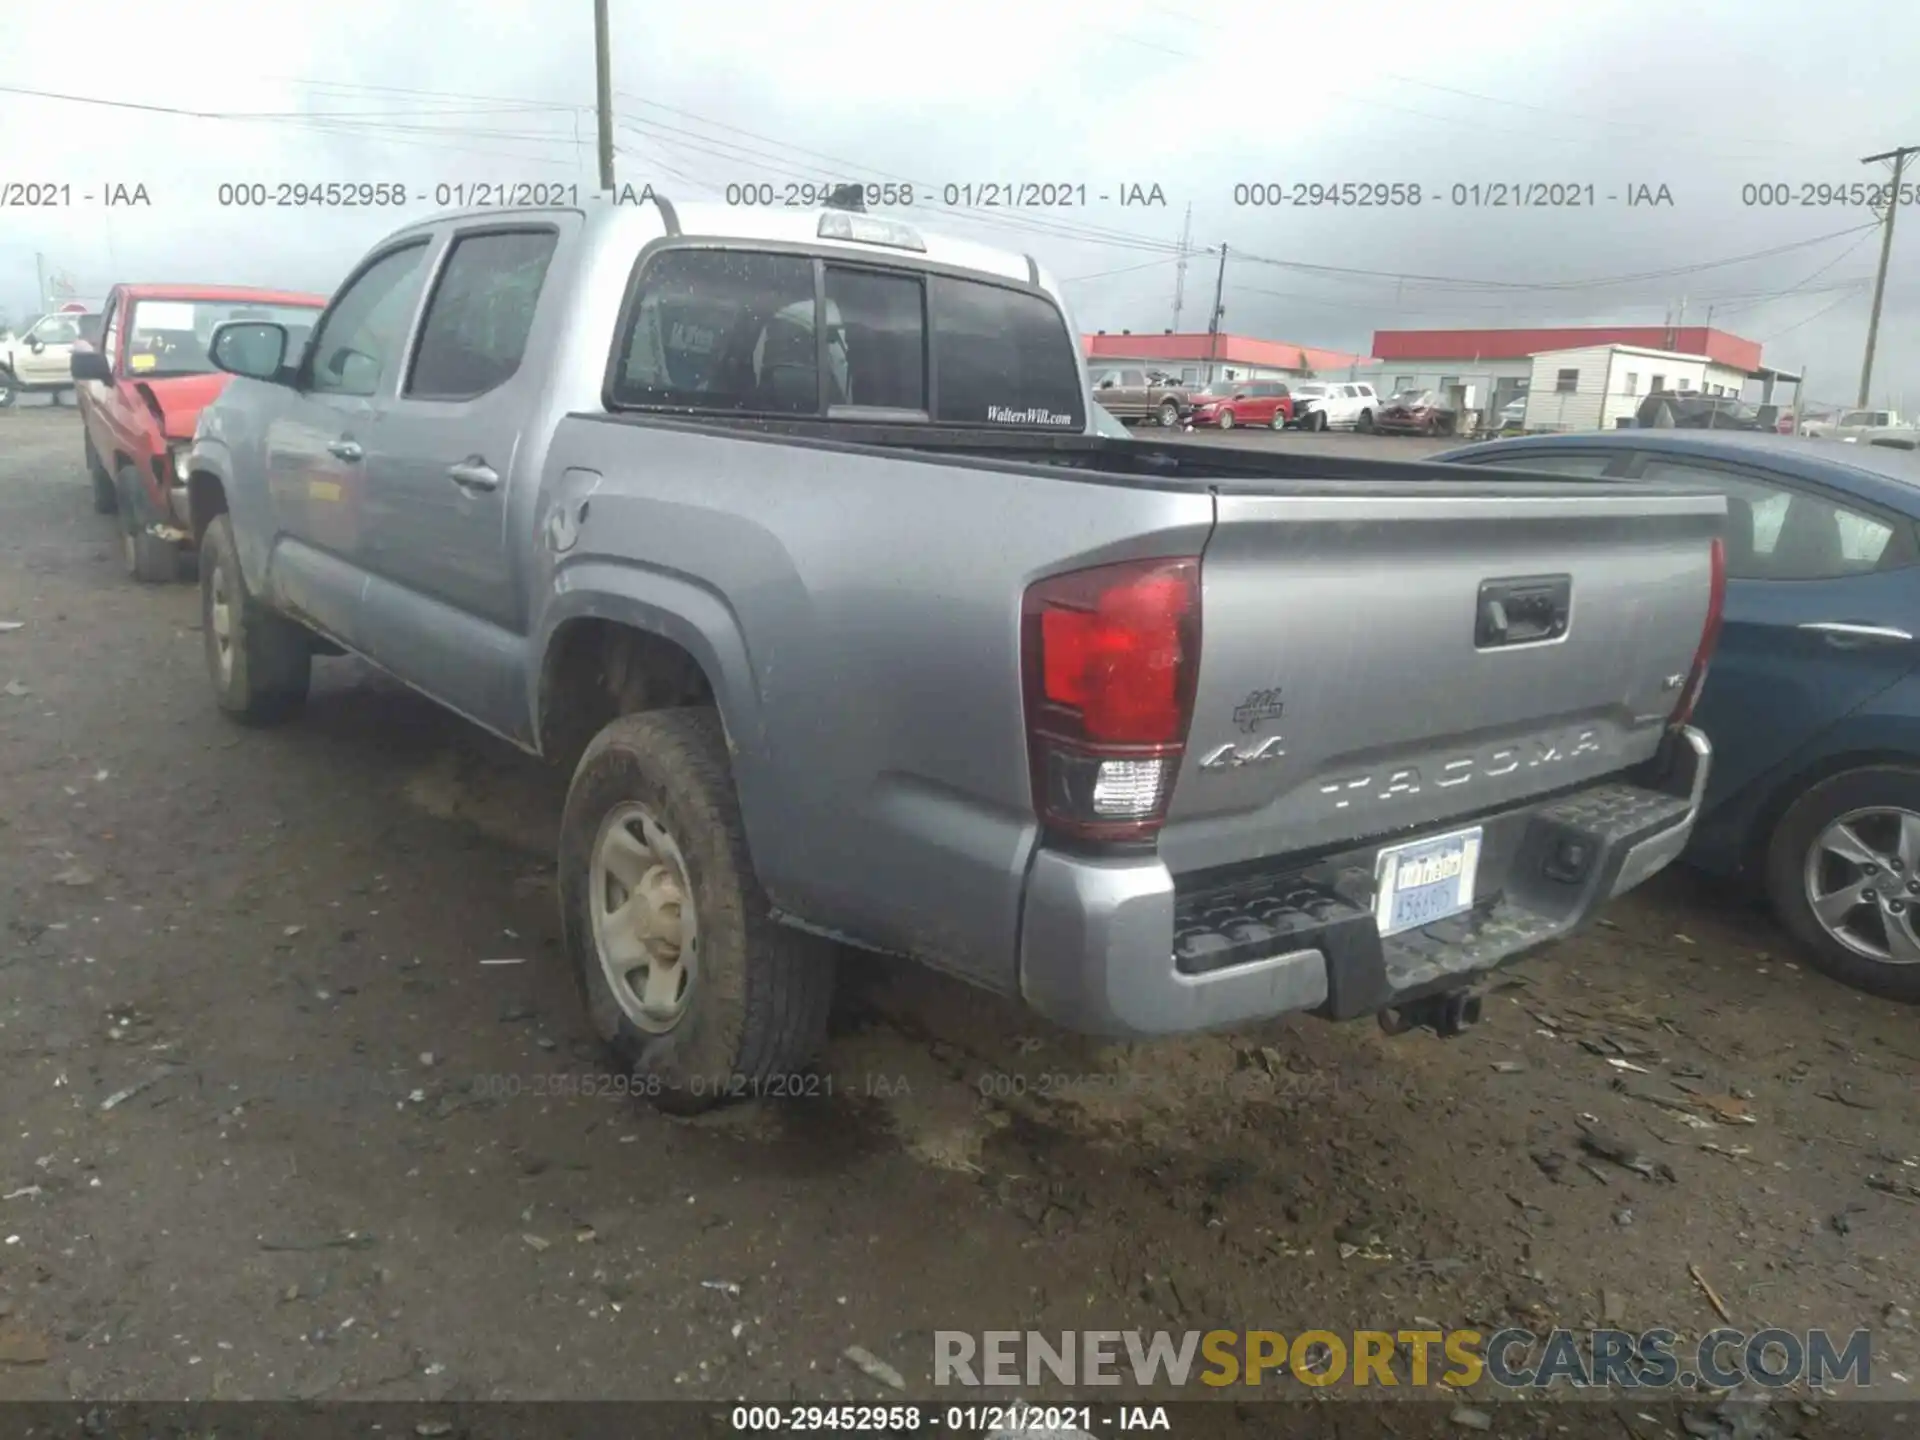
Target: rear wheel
[1279,421]
[1226,420]
[1843,875]
[688,979]
[260,662]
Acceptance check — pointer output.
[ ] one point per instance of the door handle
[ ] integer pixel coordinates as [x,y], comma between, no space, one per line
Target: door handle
[473,473]
[1847,636]
[345,450]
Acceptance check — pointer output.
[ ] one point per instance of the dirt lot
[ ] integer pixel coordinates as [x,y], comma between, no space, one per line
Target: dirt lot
[278,1128]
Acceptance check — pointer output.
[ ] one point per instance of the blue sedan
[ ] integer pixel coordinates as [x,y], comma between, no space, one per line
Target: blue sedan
[1813,697]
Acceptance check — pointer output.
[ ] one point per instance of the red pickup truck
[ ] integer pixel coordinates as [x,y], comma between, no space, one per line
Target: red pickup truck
[141,390]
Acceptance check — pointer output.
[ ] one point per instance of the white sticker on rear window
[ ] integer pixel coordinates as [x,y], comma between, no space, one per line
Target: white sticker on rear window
[163,315]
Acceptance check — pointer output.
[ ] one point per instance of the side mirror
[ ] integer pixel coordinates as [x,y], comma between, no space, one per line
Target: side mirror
[1107,384]
[90,365]
[254,348]
[33,344]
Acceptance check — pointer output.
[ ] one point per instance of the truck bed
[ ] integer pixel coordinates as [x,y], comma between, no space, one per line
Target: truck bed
[1154,464]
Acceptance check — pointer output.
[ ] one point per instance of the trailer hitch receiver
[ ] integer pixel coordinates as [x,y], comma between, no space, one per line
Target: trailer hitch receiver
[1445,1015]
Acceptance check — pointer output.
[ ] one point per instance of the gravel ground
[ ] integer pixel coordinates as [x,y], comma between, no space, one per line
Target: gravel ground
[278,1129]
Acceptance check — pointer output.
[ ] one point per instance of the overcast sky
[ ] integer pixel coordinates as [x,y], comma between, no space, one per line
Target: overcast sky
[1703,99]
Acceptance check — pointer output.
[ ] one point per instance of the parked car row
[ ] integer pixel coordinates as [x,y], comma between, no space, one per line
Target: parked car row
[801,542]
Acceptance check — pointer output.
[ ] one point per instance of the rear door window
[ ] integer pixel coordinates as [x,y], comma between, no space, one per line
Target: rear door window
[480,314]
[1777,531]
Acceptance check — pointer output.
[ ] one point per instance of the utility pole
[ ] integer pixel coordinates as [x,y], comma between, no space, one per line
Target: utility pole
[603,74]
[1180,272]
[1899,158]
[40,284]
[1213,321]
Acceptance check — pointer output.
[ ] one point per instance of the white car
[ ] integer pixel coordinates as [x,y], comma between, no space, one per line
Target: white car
[1333,405]
[41,360]
[1857,424]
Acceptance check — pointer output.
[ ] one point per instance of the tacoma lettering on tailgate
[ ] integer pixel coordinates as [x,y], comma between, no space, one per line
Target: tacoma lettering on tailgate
[1385,783]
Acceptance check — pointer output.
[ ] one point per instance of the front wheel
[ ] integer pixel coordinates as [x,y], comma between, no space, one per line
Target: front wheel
[1365,422]
[1843,876]
[699,993]
[149,559]
[1226,420]
[1317,421]
[260,662]
[1169,414]
[9,391]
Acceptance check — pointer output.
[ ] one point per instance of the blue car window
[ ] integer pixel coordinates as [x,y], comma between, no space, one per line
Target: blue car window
[1778,533]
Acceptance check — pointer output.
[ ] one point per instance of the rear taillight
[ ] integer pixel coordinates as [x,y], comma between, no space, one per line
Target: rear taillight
[1709,637]
[1110,656]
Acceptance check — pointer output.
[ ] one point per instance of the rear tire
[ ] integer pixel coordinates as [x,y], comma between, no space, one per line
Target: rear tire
[1279,421]
[652,833]
[106,499]
[260,662]
[1795,855]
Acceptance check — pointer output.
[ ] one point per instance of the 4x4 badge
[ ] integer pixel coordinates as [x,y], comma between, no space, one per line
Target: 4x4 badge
[1232,757]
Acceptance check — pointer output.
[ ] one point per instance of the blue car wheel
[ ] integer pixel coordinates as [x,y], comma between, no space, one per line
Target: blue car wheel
[1843,874]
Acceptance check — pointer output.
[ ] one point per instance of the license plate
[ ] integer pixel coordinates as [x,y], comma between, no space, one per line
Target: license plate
[1425,880]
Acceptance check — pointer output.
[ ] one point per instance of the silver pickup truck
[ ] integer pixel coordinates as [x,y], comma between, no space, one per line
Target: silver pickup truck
[792,535]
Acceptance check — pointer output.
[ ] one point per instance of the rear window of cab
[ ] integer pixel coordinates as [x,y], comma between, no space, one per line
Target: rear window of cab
[745,332]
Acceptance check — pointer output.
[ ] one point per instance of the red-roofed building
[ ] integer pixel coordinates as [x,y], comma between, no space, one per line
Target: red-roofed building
[1197,358]
[1430,347]
[1487,368]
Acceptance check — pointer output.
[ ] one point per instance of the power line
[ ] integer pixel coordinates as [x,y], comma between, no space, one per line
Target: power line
[1769,339]
[1124,269]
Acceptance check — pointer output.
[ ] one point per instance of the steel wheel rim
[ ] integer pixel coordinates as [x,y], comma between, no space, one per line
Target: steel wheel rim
[220,622]
[646,927]
[1862,883]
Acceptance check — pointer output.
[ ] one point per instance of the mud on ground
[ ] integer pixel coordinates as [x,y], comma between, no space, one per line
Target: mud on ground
[276,1128]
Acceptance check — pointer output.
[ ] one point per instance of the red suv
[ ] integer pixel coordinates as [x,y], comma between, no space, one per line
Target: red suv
[142,386]
[1228,403]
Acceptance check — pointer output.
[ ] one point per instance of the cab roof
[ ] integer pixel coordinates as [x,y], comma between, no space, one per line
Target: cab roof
[244,293]
[630,225]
